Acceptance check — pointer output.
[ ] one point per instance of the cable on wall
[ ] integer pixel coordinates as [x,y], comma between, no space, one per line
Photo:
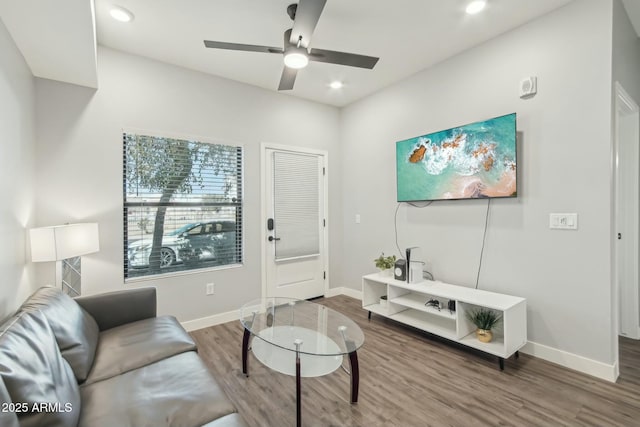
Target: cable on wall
[395,224]
[484,235]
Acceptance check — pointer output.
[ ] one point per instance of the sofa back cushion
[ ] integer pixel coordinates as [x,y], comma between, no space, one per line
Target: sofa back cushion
[35,374]
[75,330]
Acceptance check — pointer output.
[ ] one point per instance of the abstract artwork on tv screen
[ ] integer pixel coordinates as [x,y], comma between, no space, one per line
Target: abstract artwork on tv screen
[473,161]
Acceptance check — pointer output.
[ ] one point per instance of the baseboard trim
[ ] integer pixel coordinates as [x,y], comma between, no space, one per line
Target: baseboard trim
[230,316]
[350,292]
[572,361]
[216,319]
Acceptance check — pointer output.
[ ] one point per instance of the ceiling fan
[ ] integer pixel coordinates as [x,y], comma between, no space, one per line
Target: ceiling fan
[305,16]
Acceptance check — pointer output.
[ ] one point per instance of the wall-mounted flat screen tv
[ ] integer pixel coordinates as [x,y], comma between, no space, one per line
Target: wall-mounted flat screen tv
[473,161]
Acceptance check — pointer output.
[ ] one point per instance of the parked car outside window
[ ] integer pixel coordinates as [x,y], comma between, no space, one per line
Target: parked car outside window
[192,243]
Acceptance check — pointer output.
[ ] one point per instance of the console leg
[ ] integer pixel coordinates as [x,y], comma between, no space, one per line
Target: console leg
[517,355]
[369,315]
[355,376]
[501,362]
[245,351]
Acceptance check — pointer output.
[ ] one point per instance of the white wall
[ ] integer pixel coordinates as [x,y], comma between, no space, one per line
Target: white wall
[79,158]
[564,154]
[626,61]
[626,52]
[17,140]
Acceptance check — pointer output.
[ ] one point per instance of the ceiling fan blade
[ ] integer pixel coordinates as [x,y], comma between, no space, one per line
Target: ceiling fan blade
[343,58]
[288,78]
[307,16]
[243,47]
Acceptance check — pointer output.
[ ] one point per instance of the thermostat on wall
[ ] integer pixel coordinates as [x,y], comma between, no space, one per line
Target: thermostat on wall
[528,87]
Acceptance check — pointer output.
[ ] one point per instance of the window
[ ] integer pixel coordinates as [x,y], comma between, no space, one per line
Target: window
[182,205]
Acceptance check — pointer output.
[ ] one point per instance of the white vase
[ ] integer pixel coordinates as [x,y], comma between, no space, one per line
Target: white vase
[387,272]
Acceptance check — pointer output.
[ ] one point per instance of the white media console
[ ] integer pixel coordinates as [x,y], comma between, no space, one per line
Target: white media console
[406,304]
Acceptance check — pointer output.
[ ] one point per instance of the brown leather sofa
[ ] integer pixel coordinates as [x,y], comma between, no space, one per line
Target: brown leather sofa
[104,360]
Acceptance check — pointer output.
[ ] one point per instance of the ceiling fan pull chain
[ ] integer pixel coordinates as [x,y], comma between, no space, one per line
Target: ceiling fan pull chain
[299,41]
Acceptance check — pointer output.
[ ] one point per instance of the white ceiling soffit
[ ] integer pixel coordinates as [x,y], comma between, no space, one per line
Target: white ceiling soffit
[56,38]
[407,35]
[633,10]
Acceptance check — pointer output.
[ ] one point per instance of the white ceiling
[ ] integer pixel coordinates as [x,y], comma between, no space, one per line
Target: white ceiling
[57,38]
[407,35]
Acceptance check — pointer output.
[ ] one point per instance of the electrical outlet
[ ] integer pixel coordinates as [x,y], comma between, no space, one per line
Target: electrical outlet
[210,288]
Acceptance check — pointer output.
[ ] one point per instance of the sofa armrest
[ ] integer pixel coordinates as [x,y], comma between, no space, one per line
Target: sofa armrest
[121,307]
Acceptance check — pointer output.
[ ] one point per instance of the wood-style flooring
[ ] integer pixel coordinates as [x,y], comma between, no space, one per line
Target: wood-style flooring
[410,378]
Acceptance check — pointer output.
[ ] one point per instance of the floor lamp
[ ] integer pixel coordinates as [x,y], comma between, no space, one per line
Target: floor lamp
[65,244]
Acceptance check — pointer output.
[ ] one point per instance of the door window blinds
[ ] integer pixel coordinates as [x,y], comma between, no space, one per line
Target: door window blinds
[296,205]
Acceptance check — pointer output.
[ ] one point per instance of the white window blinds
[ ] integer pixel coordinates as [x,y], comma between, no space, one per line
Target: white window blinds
[182,205]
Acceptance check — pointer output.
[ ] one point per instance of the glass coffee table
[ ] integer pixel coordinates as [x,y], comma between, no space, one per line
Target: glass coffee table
[301,339]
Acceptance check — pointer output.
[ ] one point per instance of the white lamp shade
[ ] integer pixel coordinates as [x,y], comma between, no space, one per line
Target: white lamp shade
[63,241]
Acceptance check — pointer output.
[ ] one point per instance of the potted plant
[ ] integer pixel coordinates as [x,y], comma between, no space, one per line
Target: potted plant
[385,263]
[485,320]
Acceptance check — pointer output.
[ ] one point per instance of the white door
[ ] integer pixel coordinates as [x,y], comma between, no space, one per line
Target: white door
[627,151]
[294,222]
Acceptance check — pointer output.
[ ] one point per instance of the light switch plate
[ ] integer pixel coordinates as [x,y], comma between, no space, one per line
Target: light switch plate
[563,221]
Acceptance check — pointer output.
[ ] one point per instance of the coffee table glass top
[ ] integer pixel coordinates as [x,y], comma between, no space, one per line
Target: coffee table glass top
[317,329]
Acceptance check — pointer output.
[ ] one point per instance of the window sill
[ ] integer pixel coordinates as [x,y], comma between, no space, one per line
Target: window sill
[162,276]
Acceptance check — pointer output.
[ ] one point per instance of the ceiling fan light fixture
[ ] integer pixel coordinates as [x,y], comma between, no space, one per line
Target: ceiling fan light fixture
[336,84]
[121,14]
[475,6]
[296,57]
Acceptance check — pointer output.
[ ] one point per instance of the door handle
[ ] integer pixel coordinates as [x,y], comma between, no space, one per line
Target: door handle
[271,238]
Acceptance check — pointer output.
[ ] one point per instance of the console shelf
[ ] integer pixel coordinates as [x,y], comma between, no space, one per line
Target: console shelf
[407,304]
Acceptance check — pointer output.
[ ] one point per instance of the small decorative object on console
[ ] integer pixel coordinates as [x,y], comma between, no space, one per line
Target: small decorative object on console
[383,301]
[485,320]
[385,262]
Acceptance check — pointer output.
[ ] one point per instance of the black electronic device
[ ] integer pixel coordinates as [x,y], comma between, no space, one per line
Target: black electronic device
[400,270]
[411,252]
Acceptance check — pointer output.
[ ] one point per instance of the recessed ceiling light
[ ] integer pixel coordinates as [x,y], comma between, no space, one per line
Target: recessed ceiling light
[475,6]
[121,14]
[336,84]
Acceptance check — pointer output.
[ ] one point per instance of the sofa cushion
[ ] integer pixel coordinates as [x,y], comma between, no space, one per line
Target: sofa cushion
[8,413]
[178,391]
[134,345]
[75,330]
[231,420]
[34,372]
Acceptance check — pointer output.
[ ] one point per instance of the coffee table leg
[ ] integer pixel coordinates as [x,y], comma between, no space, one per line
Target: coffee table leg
[298,343]
[245,351]
[355,376]
[354,372]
